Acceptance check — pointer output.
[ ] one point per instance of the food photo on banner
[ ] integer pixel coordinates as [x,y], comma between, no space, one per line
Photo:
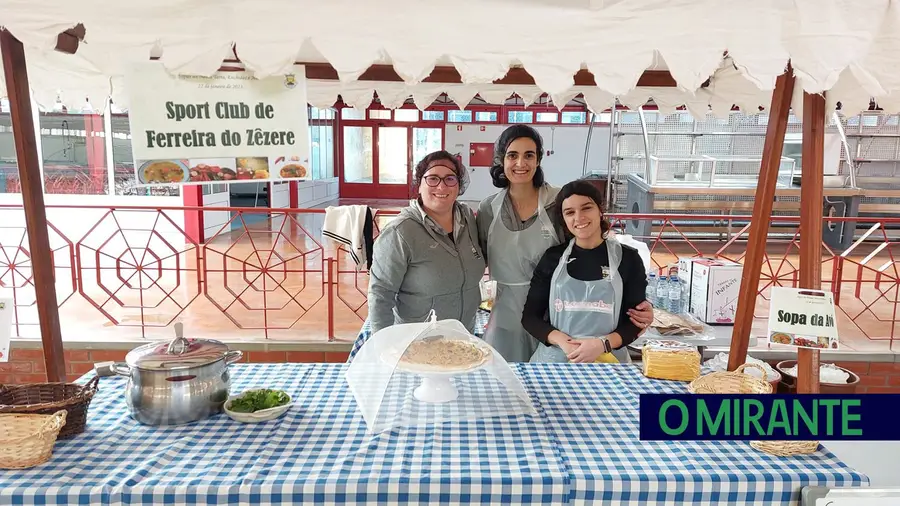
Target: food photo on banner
[229,127]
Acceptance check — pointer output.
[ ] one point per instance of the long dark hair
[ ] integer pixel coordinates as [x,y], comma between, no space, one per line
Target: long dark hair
[584,189]
[498,176]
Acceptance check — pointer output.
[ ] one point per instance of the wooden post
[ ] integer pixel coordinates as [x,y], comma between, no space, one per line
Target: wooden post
[33,201]
[762,210]
[811,202]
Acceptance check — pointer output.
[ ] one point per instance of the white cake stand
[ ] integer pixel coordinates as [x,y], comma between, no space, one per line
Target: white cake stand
[436,386]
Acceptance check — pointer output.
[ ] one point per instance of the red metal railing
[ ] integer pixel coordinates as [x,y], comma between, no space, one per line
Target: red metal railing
[130,271]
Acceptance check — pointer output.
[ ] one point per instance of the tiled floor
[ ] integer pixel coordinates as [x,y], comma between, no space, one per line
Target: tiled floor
[278,265]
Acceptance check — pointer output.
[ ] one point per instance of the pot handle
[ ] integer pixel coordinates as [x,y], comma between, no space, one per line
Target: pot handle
[233,356]
[121,370]
[179,342]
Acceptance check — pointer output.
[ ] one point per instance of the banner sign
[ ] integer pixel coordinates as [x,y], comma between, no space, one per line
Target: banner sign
[788,417]
[225,128]
[803,318]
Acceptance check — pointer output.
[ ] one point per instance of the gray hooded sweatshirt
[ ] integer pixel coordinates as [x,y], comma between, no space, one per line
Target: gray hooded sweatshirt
[416,267]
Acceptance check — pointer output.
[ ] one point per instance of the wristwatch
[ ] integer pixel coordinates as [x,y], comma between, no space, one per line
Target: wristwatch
[606,345]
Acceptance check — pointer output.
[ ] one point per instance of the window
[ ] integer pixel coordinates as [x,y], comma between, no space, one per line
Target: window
[321,143]
[411,115]
[351,113]
[379,114]
[432,115]
[459,116]
[486,116]
[575,118]
[209,189]
[547,117]
[9,165]
[73,147]
[520,117]
[123,163]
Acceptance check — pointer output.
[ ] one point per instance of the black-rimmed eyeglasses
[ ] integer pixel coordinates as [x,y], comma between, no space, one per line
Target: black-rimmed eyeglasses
[449,181]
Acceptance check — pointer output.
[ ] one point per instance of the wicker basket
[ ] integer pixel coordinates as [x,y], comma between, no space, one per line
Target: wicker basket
[27,440]
[786,448]
[739,383]
[736,382]
[48,398]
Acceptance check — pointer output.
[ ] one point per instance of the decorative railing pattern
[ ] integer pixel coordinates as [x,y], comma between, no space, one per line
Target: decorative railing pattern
[130,272]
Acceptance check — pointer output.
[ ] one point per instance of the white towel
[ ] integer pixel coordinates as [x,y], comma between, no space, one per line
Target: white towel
[345,225]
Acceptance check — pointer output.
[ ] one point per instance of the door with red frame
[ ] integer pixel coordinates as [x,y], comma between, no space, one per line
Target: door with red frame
[379,158]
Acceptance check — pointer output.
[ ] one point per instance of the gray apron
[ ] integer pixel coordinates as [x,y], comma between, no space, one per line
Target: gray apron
[584,309]
[512,257]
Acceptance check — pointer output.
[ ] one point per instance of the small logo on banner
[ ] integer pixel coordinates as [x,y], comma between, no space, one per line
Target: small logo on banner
[290,81]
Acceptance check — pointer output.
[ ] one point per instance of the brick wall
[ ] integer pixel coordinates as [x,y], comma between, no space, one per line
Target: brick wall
[27,365]
[875,377]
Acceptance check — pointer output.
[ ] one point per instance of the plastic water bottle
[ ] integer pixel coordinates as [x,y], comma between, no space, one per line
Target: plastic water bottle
[675,295]
[662,293]
[651,289]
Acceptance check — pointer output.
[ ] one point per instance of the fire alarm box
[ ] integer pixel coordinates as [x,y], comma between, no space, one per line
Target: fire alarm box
[481,154]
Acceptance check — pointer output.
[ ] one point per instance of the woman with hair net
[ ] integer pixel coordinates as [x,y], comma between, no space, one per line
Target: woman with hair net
[429,256]
[514,230]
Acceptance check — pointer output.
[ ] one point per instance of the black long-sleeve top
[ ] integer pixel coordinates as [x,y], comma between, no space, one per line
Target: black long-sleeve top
[584,265]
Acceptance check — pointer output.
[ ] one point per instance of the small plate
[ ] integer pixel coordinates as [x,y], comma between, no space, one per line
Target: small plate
[263,415]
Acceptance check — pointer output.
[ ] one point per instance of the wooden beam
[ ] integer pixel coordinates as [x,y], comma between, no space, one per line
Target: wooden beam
[762,209]
[811,200]
[33,201]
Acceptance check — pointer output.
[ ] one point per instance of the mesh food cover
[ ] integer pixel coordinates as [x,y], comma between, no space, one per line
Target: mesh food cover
[424,373]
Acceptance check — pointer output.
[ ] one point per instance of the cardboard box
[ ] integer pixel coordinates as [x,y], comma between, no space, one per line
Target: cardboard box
[715,286]
[685,274]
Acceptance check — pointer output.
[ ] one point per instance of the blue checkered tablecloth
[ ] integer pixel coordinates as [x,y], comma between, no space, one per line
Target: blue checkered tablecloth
[593,414]
[582,446]
[481,321]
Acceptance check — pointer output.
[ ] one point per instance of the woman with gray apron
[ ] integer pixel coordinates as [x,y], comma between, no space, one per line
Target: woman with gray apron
[512,257]
[515,229]
[585,287]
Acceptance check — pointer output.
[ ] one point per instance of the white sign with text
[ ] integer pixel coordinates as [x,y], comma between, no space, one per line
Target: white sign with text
[227,127]
[802,318]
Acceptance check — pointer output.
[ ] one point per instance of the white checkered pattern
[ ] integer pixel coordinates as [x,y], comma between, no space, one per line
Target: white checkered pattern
[583,446]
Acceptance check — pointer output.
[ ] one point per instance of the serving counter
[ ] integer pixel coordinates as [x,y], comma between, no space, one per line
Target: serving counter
[582,445]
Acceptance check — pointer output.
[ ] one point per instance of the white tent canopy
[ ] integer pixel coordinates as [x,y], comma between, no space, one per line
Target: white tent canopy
[848,48]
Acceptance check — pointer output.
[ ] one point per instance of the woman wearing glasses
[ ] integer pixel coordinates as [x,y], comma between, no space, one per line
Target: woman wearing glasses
[428,257]
[515,229]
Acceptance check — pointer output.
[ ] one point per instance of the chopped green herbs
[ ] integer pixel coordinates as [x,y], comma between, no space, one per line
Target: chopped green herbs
[257,400]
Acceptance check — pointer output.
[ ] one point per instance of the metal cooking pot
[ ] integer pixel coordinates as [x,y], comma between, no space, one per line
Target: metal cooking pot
[177,382]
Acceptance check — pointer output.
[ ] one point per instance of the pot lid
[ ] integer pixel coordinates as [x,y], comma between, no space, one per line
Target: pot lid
[180,353]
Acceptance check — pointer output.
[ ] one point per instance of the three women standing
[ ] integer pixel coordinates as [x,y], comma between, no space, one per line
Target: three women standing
[433,255]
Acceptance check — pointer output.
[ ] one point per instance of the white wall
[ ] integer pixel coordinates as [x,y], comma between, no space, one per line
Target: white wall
[281,195]
[214,220]
[564,165]
[313,193]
